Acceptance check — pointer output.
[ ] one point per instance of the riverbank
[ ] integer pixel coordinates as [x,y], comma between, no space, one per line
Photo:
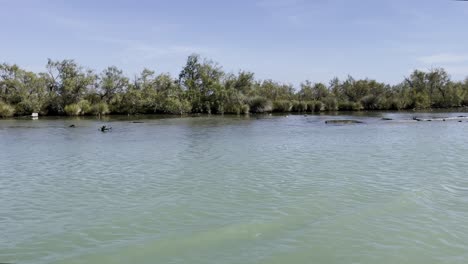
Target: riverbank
[67,88]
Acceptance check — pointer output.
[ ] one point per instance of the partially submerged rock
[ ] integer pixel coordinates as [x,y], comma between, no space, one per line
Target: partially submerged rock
[386,118]
[343,121]
[443,119]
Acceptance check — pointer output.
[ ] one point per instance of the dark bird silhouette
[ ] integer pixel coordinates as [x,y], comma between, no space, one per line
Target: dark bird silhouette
[105,128]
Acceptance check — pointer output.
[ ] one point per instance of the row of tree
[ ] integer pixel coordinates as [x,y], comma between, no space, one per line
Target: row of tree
[66,88]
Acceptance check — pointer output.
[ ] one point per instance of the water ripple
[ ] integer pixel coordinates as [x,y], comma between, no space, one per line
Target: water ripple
[240,190]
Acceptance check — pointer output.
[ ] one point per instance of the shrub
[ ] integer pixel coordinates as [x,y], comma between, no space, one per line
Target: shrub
[100,109]
[299,106]
[52,106]
[245,109]
[330,104]
[282,106]
[349,106]
[25,107]
[421,101]
[6,110]
[260,104]
[390,104]
[236,108]
[176,106]
[72,109]
[315,106]
[207,107]
[85,107]
[371,102]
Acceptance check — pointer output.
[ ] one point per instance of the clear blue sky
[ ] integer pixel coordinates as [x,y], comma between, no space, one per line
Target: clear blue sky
[284,40]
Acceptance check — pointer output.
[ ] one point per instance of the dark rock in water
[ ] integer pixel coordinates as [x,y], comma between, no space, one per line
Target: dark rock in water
[345,121]
[459,121]
[461,116]
[386,118]
[443,119]
[71,125]
[137,122]
[429,120]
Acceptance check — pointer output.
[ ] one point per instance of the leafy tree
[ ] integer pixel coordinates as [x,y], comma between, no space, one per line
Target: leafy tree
[203,87]
[69,81]
[112,82]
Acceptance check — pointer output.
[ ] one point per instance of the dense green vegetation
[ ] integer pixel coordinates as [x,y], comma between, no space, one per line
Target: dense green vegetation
[66,88]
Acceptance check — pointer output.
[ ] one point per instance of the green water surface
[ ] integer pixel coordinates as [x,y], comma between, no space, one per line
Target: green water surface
[258,189]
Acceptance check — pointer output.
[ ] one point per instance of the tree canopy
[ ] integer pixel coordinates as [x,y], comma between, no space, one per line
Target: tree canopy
[67,88]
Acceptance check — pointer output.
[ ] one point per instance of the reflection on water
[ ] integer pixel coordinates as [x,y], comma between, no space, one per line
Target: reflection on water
[258,189]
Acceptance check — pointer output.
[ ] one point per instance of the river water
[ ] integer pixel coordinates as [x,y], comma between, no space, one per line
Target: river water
[258,189]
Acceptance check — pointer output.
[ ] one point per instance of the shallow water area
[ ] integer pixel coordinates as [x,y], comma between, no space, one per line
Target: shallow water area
[214,189]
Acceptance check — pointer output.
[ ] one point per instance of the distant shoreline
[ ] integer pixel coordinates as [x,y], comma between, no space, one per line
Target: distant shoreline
[372,113]
[202,87]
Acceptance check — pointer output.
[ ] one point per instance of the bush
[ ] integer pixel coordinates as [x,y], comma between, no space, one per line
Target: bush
[72,110]
[371,102]
[176,106]
[245,109]
[421,101]
[52,106]
[207,107]
[315,106]
[390,104]
[330,104]
[349,106]
[85,107]
[282,106]
[100,109]
[25,108]
[299,106]
[260,104]
[236,108]
[6,110]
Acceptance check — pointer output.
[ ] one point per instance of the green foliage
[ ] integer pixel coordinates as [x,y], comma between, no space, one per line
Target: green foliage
[112,82]
[282,106]
[68,80]
[330,104]
[131,102]
[299,107]
[85,107]
[349,106]
[315,106]
[27,107]
[311,91]
[6,110]
[421,100]
[237,108]
[260,104]
[371,102]
[176,106]
[72,110]
[203,87]
[100,109]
